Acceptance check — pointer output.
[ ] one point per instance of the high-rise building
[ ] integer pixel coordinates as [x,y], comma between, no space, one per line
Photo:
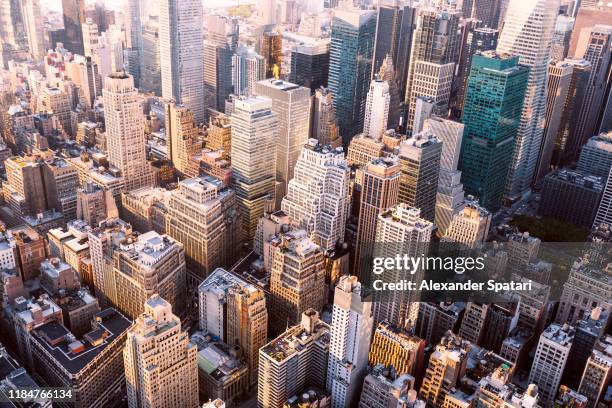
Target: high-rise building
[395,347]
[376,118]
[379,191]
[486,155]
[295,359]
[399,230]
[182,135]
[161,365]
[419,160]
[560,76]
[384,388]
[296,279]
[561,37]
[181,54]
[150,70]
[317,199]
[486,11]
[388,74]
[271,48]
[470,226]
[74,15]
[394,27]
[351,329]
[125,139]
[596,156]
[291,104]
[571,196]
[447,365]
[604,211]
[550,359]
[95,204]
[219,47]
[203,216]
[324,123]
[527,33]
[248,67]
[254,135]
[32,21]
[143,266]
[90,40]
[235,311]
[133,41]
[310,64]
[350,67]
[597,371]
[435,45]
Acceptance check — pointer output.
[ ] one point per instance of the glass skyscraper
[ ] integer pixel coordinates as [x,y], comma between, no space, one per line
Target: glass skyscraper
[350,66]
[492,112]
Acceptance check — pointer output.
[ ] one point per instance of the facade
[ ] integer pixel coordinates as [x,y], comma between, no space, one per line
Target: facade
[74,16]
[324,123]
[596,156]
[382,388]
[604,211]
[160,362]
[470,226]
[317,199]
[376,118]
[492,112]
[182,134]
[396,347]
[248,67]
[150,78]
[597,371]
[310,64]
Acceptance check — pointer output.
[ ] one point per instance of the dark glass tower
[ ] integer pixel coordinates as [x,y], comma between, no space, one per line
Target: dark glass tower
[73,12]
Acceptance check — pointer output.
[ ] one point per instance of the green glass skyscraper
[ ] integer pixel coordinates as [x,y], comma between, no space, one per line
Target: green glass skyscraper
[492,112]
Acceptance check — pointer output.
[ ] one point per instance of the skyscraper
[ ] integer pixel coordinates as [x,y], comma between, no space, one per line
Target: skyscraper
[597,371]
[351,50]
[161,366]
[394,346]
[376,118]
[324,124]
[317,199]
[470,226]
[491,121]
[254,142]
[351,329]
[527,33]
[181,54]
[604,211]
[134,46]
[310,64]
[291,104]
[74,15]
[32,19]
[271,48]
[248,67]
[182,139]
[419,160]
[150,78]
[125,138]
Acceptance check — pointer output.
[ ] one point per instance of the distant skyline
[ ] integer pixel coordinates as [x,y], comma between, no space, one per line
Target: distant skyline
[56,5]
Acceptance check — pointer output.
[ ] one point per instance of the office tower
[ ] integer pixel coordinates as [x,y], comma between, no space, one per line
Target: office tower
[486,156]
[324,123]
[161,368]
[254,135]
[92,366]
[57,102]
[235,311]
[350,67]
[604,211]
[384,388]
[527,33]
[181,54]
[470,226]
[399,230]
[150,70]
[61,181]
[419,160]
[296,279]
[317,198]
[501,321]
[429,80]
[25,189]
[182,135]
[84,73]
[248,67]
[435,47]
[219,46]
[597,371]
[90,39]
[291,104]
[388,74]
[310,64]
[31,251]
[125,138]
[472,327]
[550,359]
[293,360]
[395,347]
[446,367]
[587,287]
[377,109]
[133,41]
[351,329]
[32,20]
[202,215]
[560,76]
[95,204]
[596,156]
[271,48]
[595,46]
[379,190]
[561,37]
[146,265]
[74,15]
[393,39]
[588,331]
[475,39]
[571,196]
